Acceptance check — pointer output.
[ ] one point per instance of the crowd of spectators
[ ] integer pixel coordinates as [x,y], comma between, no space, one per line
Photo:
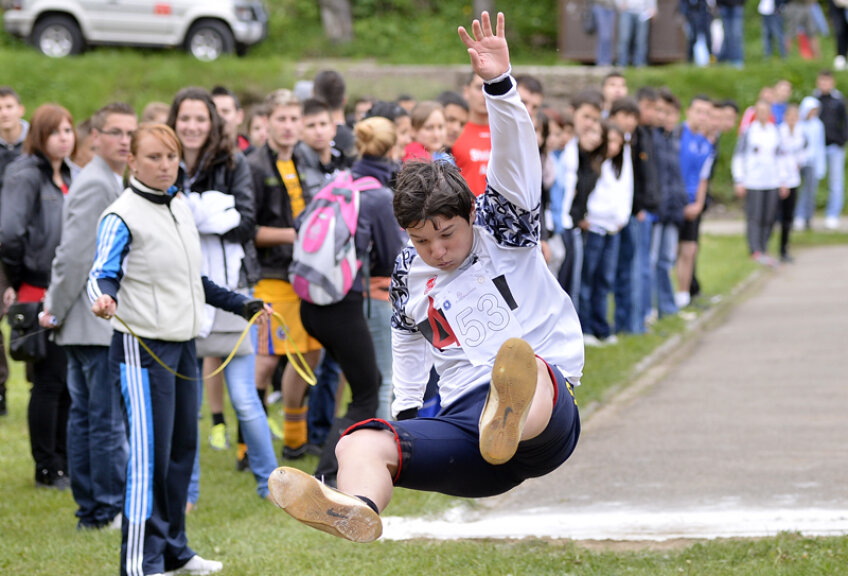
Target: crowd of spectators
[714,29]
[626,182]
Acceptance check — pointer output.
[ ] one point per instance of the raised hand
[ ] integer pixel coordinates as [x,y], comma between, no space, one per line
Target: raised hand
[488,49]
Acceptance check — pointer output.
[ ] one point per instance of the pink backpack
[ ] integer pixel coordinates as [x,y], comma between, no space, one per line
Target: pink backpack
[325,263]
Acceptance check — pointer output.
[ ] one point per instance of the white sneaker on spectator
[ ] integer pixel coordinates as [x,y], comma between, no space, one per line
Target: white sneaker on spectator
[591,340]
[798,224]
[652,317]
[686,315]
[199,566]
[115,524]
[682,299]
[274,397]
[610,340]
[831,223]
[839,63]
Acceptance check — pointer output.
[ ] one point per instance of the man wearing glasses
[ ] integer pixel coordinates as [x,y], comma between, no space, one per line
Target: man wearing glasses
[97,444]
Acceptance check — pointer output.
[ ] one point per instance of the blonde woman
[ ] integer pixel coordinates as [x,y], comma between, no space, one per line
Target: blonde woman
[341,327]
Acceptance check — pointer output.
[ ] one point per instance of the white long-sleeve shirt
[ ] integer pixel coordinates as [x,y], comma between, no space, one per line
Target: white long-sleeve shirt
[757,161]
[459,318]
[611,202]
[793,147]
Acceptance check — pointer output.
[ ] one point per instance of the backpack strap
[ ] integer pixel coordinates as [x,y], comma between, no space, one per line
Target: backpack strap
[367,183]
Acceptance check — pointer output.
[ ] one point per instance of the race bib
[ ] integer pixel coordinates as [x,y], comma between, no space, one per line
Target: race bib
[478,314]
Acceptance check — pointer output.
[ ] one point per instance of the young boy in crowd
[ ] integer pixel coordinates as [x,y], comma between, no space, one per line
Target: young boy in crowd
[472,149]
[13,132]
[280,197]
[834,115]
[456,115]
[633,253]
[673,199]
[696,160]
[506,374]
[613,87]
[229,109]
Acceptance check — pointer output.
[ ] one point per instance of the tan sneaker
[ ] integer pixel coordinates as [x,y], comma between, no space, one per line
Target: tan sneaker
[315,504]
[510,396]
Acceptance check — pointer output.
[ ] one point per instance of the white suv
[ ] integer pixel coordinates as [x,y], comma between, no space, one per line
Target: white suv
[205,28]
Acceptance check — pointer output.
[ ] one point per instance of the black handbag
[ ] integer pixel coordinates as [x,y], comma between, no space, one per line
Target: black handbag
[587,19]
[27,340]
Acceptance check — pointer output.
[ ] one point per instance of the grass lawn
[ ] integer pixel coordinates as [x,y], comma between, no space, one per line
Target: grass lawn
[251,536]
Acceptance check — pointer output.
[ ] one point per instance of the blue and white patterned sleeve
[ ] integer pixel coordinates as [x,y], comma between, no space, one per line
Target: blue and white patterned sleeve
[399,291]
[113,244]
[512,205]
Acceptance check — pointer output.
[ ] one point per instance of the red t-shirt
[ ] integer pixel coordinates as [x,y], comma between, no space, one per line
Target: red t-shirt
[471,151]
[30,293]
[416,151]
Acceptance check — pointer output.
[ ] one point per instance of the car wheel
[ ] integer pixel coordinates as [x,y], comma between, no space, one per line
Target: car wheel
[57,36]
[208,40]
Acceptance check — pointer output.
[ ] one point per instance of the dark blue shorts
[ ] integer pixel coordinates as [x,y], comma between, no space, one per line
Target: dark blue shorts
[442,454]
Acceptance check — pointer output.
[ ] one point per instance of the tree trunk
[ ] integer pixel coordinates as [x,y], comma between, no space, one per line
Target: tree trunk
[481,5]
[337,19]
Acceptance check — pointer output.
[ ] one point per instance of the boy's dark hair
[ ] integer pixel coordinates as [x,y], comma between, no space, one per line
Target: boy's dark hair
[329,86]
[545,126]
[470,78]
[390,110]
[531,83]
[608,126]
[826,72]
[611,75]
[729,103]
[98,119]
[701,98]
[451,97]
[647,93]
[84,129]
[314,106]
[426,190]
[669,98]
[625,105]
[554,115]
[223,91]
[9,91]
[588,97]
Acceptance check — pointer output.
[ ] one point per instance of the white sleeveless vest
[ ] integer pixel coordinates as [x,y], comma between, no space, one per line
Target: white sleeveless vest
[161,294]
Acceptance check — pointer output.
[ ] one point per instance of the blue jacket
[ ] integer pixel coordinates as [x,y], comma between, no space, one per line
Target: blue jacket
[673,197]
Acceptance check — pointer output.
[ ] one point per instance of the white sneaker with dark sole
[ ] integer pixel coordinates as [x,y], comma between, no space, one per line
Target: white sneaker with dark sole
[510,396]
[198,566]
[315,504]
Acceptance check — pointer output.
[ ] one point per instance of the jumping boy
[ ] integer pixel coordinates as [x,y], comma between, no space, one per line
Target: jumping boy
[473,295]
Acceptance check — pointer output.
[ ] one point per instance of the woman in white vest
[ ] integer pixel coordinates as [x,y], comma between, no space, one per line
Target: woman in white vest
[147,272]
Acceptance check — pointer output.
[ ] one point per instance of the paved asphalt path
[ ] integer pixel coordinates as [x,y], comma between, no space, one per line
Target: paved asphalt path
[743,431]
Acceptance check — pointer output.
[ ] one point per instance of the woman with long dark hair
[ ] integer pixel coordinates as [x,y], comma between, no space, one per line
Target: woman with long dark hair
[218,184]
